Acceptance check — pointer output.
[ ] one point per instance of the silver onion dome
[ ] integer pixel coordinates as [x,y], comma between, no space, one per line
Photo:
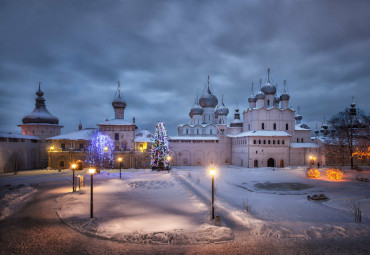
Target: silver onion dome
[222,110]
[260,95]
[196,110]
[269,89]
[284,96]
[40,114]
[252,99]
[207,99]
[118,101]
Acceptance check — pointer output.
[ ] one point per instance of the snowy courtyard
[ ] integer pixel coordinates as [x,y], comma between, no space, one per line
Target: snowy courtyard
[149,207]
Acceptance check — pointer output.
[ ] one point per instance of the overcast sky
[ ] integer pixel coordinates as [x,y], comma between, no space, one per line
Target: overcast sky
[163,51]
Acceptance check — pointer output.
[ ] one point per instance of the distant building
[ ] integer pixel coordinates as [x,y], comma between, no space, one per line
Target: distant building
[131,143]
[270,133]
[28,151]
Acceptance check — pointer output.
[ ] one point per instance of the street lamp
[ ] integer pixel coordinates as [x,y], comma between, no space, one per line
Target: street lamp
[51,148]
[92,172]
[73,166]
[120,166]
[213,172]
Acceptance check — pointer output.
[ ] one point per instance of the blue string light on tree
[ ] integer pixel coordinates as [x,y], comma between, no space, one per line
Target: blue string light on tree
[100,151]
[160,148]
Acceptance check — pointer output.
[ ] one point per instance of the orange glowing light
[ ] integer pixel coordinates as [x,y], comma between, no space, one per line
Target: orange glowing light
[313,173]
[362,154]
[334,174]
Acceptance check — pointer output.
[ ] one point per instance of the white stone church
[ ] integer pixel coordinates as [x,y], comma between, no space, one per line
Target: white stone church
[270,133]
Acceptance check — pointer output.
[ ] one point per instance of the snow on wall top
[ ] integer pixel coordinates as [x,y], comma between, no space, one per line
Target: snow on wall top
[208,138]
[304,145]
[84,134]
[143,135]
[115,122]
[19,136]
[261,133]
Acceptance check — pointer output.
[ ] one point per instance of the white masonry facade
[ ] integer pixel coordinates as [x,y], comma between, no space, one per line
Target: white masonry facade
[270,134]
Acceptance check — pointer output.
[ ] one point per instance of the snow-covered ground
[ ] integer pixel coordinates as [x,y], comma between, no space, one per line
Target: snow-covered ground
[278,200]
[174,207]
[143,207]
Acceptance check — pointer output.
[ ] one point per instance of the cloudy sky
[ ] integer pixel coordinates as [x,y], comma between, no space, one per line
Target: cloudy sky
[162,52]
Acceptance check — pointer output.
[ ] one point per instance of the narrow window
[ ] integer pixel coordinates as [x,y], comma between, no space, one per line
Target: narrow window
[249,126]
[210,131]
[287,126]
[268,102]
[301,140]
[263,125]
[283,141]
[278,141]
[273,141]
[116,136]
[259,141]
[269,142]
[297,140]
[254,142]
[264,141]
[197,131]
[274,126]
[187,131]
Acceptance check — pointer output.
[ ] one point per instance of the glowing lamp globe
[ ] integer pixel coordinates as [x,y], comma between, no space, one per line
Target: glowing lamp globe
[92,170]
[119,159]
[73,166]
[212,171]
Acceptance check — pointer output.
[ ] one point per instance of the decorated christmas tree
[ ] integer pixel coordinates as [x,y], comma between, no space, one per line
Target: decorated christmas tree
[160,152]
[100,151]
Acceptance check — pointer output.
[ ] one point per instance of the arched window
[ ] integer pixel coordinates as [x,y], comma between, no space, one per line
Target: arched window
[264,141]
[283,142]
[268,102]
[274,126]
[263,125]
[269,142]
[256,163]
[287,126]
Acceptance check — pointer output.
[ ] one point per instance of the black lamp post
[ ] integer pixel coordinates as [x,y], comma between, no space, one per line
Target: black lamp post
[92,172]
[73,177]
[213,172]
[120,166]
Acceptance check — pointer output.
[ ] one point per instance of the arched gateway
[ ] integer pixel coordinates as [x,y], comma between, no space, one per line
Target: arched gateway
[271,162]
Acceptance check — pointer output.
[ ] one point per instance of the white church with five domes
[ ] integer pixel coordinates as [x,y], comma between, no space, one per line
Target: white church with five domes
[270,133]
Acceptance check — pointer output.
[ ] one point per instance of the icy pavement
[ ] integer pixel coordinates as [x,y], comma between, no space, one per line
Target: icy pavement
[143,207]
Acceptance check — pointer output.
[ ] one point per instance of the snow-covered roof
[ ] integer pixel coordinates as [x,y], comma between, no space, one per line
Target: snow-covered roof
[84,134]
[143,136]
[208,138]
[304,145]
[261,133]
[39,124]
[19,136]
[298,127]
[115,122]
[202,125]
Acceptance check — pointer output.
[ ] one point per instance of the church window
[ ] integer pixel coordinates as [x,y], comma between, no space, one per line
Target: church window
[301,140]
[197,131]
[210,131]
[256,152]
[187,131]
[278,141]
[249,126]
[63,145]
[263,125]
[269,142]
[268,102]
[297,140]
[273,141]
[259,141]
[287,126]
[116,136]
[283,142]
[264,141]
[274,126]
